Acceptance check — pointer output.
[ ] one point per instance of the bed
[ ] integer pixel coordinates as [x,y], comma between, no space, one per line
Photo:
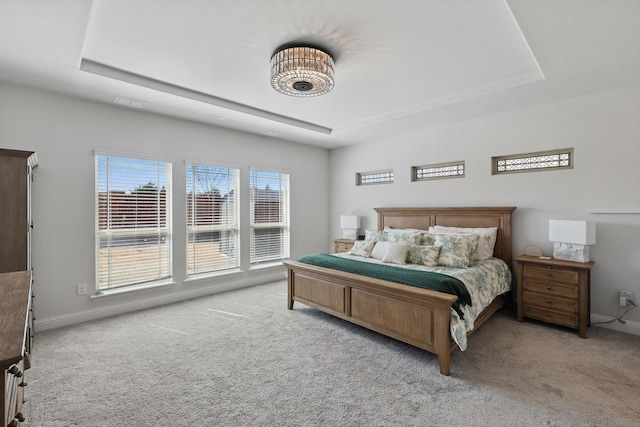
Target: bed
[416,316]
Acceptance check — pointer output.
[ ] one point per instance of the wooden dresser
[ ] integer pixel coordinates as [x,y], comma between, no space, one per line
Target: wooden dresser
[16,285]
[15,339]
[554,291]
[342,245]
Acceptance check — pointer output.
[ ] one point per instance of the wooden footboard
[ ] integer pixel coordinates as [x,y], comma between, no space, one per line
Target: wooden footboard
[413,315]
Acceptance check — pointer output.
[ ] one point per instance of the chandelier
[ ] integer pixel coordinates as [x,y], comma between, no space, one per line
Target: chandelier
[302,71]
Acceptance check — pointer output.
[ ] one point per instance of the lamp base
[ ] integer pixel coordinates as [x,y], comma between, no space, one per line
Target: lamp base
[571,252]
[349,233]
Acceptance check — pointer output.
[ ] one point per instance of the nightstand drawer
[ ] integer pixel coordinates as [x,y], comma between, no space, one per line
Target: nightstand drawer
[552,273]
[342,245]
[551,316]
[550,288]
[546,301]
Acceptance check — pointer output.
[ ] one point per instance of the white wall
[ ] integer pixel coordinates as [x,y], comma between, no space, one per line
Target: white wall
[64,132]
[604,130]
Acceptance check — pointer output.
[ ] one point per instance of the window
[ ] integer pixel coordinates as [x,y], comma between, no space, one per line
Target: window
[379,177]
[133,221]
[212,219]
[533,162]
[438,171]
[269,197]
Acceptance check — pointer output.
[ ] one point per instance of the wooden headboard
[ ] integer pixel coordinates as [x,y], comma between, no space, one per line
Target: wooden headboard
[422,218]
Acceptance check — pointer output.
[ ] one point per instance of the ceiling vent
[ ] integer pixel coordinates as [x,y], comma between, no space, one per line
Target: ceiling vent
[133,103]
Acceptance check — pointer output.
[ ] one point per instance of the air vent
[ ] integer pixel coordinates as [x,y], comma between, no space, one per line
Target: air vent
[129,102]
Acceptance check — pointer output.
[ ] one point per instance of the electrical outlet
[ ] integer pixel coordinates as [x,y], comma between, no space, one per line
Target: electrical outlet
[626,298]
[631,298]
[82,289]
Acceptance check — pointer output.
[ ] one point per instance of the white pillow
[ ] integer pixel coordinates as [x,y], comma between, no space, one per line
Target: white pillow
[396,253]
[486,241]
[380,249]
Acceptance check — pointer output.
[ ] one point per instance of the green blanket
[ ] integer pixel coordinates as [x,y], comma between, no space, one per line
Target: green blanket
[421,279]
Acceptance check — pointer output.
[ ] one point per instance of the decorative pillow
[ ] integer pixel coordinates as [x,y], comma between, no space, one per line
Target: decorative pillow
[486,241]
[394,235]
[408,237]
[424,255]
[396,253]
[428,239]
[380,249]
[362,248]
[373,235]
[456,250]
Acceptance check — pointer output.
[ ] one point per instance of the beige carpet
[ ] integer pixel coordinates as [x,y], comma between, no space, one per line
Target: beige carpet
[242,359]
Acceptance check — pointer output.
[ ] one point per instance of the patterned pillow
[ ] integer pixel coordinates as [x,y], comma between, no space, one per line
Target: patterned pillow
[373,235]
[362,248]
[424,255]
[428,240]
[486,241]
[457,250]
[408,237]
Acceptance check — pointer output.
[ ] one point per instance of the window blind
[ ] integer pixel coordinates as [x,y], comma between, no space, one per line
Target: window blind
[133,221]
[269,197]
[212,219]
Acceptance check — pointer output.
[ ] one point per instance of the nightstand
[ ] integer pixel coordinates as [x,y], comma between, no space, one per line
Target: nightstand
[554,291]
[342,245]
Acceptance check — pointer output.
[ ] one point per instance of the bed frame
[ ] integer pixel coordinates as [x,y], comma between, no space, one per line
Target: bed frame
[413,315]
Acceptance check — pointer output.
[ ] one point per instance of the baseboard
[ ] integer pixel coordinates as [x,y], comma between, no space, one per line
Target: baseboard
[99,313]
[629,327]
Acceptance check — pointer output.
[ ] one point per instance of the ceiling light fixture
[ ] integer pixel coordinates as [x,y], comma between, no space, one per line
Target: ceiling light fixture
[302,71]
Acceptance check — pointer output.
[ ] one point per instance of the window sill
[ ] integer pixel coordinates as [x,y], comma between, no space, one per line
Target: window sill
[129,289]
[213,274]
[267,265]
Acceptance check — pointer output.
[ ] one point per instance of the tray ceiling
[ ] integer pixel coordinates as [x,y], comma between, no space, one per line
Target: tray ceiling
[400,66]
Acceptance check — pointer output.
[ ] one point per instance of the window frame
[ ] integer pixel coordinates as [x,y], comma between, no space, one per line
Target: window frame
[107,212]
[283,224]
[233,227]
[362,177]
[496,159]
[416,169]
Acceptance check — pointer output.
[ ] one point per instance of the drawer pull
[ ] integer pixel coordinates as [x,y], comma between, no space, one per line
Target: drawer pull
[548,314]
[22,384]
[549,273]
[548,301]
[20,417]
[548,288]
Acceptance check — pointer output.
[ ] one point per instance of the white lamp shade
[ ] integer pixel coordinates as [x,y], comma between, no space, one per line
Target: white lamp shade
[576,232]
[349,221]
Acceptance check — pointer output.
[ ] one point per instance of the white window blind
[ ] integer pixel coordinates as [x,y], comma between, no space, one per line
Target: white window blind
[269,194]
[212,218]
[133,221]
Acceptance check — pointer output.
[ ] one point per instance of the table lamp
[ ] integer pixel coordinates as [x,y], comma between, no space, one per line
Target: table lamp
[572,239]
[349,225]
